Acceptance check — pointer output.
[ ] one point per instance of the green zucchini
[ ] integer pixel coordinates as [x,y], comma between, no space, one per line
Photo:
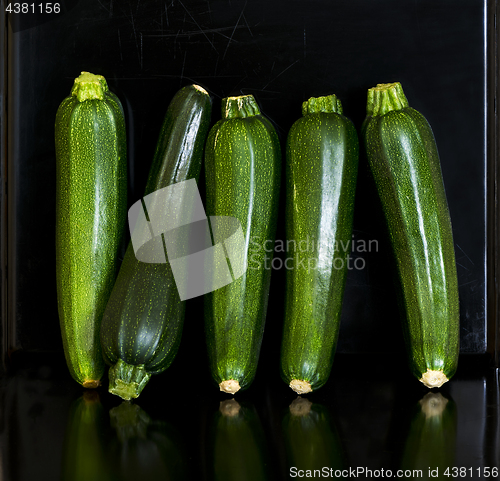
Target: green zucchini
[243,162]
[321,170]
[142,324]
[91,208]
[404,160]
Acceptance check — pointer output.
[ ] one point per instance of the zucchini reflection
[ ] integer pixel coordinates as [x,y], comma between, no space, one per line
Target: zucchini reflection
[128,445]
[312,442]
[431,440]
[84,457]
[144,449]
[237,444]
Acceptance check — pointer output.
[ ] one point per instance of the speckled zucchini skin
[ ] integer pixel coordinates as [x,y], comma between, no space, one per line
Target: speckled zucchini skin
[321,170]
[142,324]
[91,189]
[243,162]
[403,157]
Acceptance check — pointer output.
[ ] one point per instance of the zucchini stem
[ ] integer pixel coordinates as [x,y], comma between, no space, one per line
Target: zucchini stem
[385,97]
[89,87]
[91,383]
[230,386]
[239,107]
[433,379]
[301,387]
[329,104]
[127,381]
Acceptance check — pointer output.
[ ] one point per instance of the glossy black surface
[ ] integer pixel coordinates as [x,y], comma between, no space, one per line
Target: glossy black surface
[363,418]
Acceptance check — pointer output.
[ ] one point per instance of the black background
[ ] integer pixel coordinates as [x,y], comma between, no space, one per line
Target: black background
[282,52]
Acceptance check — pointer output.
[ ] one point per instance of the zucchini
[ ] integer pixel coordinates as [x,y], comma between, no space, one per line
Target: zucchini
[404,160]
[243,162]
[321,170]
[142,324]
[91,208]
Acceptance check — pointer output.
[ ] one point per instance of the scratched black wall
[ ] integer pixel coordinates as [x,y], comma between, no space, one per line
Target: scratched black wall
[282,52]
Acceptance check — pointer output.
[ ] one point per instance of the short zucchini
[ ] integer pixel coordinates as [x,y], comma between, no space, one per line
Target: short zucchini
[321,170]
[91,209]
[404,160]
[142,324]
[243,162]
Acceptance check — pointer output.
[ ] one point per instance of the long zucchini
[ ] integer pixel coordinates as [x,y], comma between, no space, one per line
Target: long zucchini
[142,324]
[322,164]
[404,160]
[243,162]
[91,189]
